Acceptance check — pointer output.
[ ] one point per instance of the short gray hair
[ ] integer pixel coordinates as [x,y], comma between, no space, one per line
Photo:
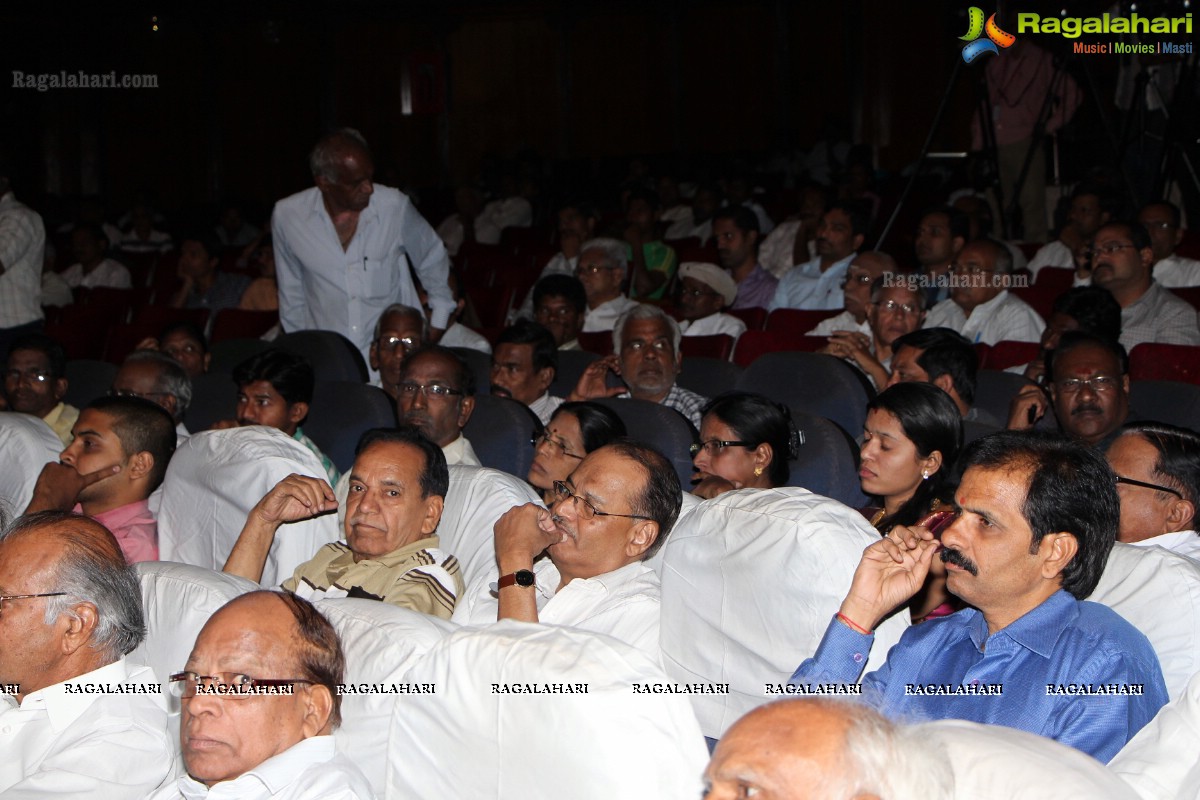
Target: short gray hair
[323,160]
[404,311]
[644,311]
[92,570]
[613,249]
[172,379]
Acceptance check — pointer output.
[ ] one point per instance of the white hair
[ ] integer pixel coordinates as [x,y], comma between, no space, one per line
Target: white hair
[403,311]
[323,160]
[644,311]
[613,249]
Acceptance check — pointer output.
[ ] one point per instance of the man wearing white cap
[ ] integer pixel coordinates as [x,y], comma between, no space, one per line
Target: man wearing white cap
[705,290]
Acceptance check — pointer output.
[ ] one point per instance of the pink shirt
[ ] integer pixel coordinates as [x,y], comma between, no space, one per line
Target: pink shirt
[134,527]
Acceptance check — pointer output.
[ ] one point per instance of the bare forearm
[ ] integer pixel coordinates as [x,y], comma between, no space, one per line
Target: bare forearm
[249,554]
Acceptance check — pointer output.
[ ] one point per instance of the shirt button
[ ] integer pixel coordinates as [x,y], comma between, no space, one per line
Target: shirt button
[975,682]
[858,657]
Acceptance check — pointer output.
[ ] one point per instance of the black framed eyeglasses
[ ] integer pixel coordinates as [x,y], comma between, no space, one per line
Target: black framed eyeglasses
[715,446]
[187,685]
[582,507]
[1144,485]
[538,439]
[6,597]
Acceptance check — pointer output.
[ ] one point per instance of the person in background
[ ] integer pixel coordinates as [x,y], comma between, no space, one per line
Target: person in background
[651,262]
[574,430]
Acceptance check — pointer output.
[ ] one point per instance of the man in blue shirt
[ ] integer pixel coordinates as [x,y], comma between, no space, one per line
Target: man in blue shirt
[1037,517]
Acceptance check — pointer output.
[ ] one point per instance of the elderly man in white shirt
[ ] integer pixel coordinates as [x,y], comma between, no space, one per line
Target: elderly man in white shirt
[1158,481]
[602,268]
[612,514]
[259,701]
[980,306]
[705,289]
[1164,223]
[76,720]
[342,248]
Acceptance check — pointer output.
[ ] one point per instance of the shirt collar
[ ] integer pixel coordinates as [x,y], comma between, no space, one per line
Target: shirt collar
[276,773]
[122,516]
[63,707]
[318,207]
[1038,630]
[1167,540]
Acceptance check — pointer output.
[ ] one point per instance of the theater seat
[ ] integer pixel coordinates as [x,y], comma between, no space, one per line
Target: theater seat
[341,411]
[571,364]
[1151,361]
[1158,592]
[476,738]
[994,391]
[817,384]
[381,642]
[663,428]
[499,431]
[27,444]
[827,460]
[333,356]
[708,376]
[213,481]
[1159,763]
[750,580]
[88,379]
[992,762]
[1166,401]
[475,500]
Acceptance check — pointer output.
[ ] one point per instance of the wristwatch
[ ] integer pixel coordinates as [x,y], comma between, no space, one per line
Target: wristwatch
[521,577]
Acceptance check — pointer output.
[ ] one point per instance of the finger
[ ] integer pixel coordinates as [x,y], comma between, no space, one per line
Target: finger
[99,475]
[892,549]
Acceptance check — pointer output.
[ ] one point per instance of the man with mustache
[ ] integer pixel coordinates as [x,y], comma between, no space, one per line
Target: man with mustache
[1037,516]
[397,488]
[612,514]
[817,284]
[437,396]
[523,367]
[1088,385]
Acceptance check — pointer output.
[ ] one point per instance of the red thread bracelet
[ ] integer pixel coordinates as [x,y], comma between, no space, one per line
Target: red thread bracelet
[852,625]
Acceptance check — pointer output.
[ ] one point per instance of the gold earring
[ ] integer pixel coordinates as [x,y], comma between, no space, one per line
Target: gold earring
[758,471]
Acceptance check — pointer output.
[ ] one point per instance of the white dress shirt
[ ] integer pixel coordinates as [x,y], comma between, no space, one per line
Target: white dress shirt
[459,335]
[74,739]
[1175,271]
[545,406]
[325,287]
[1054,254]
[308,770]
[460,452]
[1160,761]
[1185,543]
[22,245]
[1005,317]
[511,212]
[776,251]
[714,324]
[842,322]
[107,273]
[604,316]
[679,222]
[807,288]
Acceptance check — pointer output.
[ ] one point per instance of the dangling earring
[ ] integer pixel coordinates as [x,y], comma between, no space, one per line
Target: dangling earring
[758,472]
[924,474]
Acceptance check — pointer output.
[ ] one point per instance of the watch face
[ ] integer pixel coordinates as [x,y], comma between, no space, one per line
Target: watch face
[524,577]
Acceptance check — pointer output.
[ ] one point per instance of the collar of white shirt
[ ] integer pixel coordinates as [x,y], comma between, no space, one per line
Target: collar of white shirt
[1173,541]
[64,706]
[318,208]
[276,773]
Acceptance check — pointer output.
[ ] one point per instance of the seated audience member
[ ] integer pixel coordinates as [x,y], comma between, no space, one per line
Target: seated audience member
[236,743]
[142,237]
[399,331]
[790,749]
[35,383]
[1038,516]
[740,193]
[118,458]
[948,361]
[817,284]
[794,241]
[735,230]
[1083,308]
[1122,260]
[651,262]
[263,292]
[647,359]
[72,728]
[1164,223]
[511,208]
[1088,387]
[457,334]
[576,224]
[524,364]
[187,344]
[437,396]
[397,488]
[705,203]
[980,306]
[982,224]
[676,217]
[705,289]
[159,378]
[559,306]
[454,229]
[204,286]
[1158,481]
[232,230]
[941,235]
[1091,208]
[892,311]
[601,269]
[911,439]
[274,389]
[574,430]
[746,442]
[613,513]
[860,276]
[92,269]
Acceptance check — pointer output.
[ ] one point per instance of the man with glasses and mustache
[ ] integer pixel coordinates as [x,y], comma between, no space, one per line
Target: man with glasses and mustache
[612,514]
[893,311]
[259,702]
[602,269]
[980,307]
[1036,518]
[1158,481]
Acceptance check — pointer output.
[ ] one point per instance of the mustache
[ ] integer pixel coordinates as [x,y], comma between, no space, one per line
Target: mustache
[1089,408]
[951,556]
[500,391]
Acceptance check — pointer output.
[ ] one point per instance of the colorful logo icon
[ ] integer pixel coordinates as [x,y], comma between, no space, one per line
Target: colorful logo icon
[996,38]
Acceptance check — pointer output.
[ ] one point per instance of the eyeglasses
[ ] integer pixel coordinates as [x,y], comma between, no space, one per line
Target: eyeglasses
[1107,249]
[714,446]
[638,345]
[1161,226]
[592,269]
[582,507]
[409,389]
[545,438]
[1099,384]
[391,343]
[185,349]
[970,269]
[1144,485]
[555,313]
[187,685]
[15,375]
[142,395]
[6,597]
[861,280]
[891,307]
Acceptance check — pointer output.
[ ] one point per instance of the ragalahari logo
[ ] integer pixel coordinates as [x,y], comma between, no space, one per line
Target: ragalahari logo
[996,38]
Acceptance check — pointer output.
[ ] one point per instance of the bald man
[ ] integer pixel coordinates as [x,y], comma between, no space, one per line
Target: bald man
[823,750]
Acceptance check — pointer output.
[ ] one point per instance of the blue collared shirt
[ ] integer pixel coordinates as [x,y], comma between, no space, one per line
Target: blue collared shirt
[807,288]
[1040,662]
